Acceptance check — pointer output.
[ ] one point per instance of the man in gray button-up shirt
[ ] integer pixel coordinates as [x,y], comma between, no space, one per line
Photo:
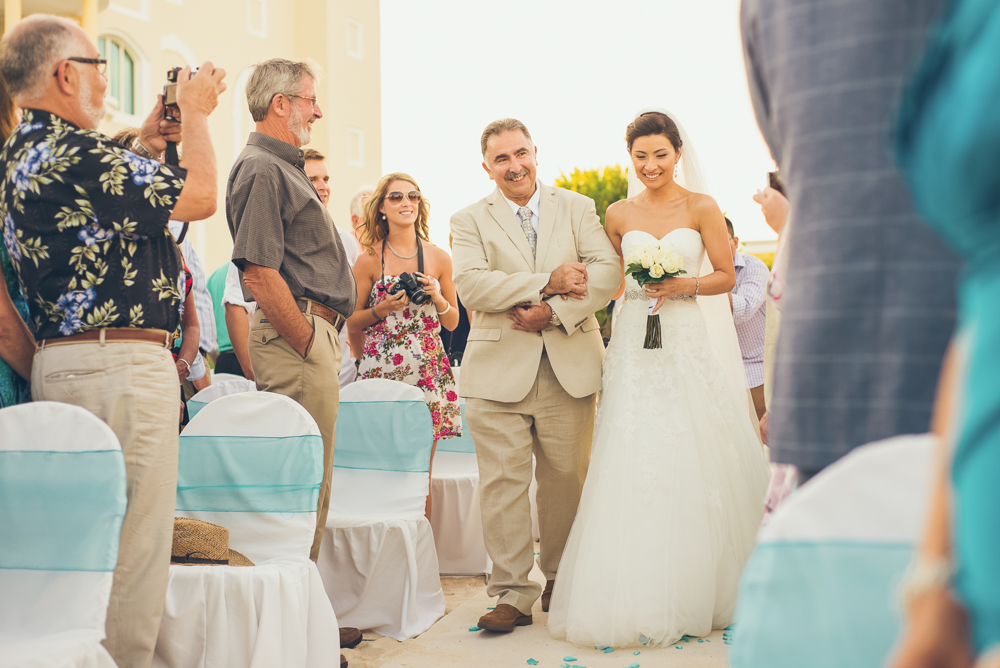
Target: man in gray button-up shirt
[292,261]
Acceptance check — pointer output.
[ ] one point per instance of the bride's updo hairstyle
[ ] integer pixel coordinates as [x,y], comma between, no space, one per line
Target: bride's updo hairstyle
[653,123]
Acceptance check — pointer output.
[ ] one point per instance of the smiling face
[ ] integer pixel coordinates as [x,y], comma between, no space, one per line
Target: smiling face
[402,213]
[654,159]
[319,176]
[511,164]
[303,112]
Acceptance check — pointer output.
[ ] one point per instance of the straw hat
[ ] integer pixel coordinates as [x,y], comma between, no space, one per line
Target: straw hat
[203,543]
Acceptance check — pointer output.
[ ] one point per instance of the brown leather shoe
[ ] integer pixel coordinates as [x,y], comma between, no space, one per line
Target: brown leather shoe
[503,619]
[349,637]
[547,594]
[343,661]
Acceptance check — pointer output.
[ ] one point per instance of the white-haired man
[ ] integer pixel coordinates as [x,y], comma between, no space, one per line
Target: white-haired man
[86,227]
[358,210]
[292,262]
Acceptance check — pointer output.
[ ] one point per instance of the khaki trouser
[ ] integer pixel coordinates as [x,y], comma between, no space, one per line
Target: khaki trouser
[133,387]
[312,382]
[559,429]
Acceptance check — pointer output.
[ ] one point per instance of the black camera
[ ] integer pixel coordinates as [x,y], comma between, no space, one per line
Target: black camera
[170,89]
[414,290]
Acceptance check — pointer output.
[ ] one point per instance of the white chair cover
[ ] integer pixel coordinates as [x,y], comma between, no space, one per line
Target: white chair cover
[820,588]
[62,501]
[457,520]
[378,558]
[222,385]
[253,463]
[222,377]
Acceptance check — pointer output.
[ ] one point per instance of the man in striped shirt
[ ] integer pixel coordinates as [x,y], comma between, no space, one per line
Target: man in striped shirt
[748,305]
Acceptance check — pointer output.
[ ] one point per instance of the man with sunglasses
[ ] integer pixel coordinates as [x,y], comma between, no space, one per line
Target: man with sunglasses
[292,261]
[86,227]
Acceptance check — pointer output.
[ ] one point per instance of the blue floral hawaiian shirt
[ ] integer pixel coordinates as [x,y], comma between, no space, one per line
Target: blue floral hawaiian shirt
[85,224]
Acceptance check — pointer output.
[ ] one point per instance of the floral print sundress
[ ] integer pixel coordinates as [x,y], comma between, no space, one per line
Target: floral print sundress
[406,346]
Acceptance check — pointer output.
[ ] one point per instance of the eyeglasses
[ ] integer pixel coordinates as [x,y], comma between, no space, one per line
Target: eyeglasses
[102,64]
[314,101]
[396,197]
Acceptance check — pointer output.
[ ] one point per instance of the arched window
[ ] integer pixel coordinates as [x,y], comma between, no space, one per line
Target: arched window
[121,73]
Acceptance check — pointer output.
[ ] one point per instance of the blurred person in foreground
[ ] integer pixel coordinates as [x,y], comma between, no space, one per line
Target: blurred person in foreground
[85,222]
[868,301]
[949,149]
[748,303]
[17,345]
[398,339]
[319,175]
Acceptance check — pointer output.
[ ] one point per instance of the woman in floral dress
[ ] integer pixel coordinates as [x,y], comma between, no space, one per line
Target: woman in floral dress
[399,340]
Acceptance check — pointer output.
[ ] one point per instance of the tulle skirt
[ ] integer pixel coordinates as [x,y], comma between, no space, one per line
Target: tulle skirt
[673,497]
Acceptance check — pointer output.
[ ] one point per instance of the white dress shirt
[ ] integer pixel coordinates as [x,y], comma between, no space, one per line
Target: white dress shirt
[532,204]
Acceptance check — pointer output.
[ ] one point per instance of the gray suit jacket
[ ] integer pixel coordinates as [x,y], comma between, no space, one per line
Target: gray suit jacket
[869,299]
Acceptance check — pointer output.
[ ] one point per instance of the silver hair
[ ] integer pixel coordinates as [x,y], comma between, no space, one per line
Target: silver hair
[273,77]
[31,49]
[356,204]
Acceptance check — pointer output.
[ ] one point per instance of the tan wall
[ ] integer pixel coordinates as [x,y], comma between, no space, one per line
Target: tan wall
[164,35]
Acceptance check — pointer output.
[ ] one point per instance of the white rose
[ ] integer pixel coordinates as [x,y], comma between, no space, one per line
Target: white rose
[647,261]
[656,271]
[676,263]
[658,255]
[630,259]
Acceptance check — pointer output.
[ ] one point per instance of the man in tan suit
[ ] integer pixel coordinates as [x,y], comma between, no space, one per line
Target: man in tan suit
[532,264]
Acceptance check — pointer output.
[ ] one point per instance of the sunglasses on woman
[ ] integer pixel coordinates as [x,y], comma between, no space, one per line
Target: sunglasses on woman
[396,197]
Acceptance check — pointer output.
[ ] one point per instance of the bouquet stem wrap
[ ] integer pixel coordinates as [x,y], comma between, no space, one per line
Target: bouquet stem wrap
[653,339]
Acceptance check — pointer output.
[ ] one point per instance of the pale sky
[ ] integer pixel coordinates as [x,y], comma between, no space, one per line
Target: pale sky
[575,73]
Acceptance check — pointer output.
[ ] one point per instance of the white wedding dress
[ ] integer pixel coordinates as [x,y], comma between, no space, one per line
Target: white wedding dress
[675,489]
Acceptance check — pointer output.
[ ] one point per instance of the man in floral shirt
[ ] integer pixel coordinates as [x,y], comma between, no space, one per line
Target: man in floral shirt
[85,223]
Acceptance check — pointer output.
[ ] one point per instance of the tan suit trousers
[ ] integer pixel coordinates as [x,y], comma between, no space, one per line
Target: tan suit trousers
[313,382]
[558,428]
[133,387]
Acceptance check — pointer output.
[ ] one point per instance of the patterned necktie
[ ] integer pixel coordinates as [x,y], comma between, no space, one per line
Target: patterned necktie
[524,213]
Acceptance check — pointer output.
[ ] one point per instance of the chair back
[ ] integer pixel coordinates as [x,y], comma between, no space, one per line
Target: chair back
[62,501]
[253,463]
[828,564]
[222,386]
[383,450]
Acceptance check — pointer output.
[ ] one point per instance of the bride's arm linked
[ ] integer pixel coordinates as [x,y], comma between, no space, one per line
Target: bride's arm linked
[714,236]
[603,269]
[494,291]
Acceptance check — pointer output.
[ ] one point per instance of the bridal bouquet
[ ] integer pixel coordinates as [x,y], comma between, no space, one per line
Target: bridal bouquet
[653,263]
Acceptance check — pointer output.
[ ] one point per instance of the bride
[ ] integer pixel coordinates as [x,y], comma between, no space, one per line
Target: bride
[674,494]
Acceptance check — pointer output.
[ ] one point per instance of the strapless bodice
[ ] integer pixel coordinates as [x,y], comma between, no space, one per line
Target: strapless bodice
[686,242]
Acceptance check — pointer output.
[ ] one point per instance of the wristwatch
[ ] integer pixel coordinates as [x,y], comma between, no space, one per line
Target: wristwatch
[554,319]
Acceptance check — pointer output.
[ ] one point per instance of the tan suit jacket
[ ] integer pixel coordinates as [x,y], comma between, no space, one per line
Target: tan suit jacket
[495,270]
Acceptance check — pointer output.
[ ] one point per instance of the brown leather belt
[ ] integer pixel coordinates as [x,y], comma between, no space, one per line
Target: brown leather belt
[308,306]
[106,334]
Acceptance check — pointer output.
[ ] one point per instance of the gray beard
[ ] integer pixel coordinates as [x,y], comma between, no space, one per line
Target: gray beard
[298,127]
[91,113]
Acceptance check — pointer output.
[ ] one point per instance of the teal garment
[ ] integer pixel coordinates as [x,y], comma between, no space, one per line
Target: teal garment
[13,389]
[216,285]
[949,148]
